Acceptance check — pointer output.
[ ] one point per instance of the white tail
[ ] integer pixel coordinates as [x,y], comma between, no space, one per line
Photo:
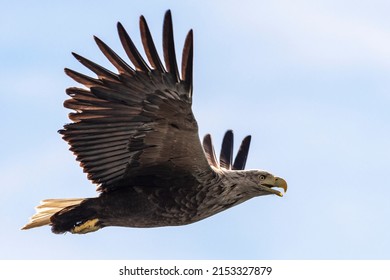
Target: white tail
[48,208]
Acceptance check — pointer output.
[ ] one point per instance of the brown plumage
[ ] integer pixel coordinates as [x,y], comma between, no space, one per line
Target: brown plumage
[136,137]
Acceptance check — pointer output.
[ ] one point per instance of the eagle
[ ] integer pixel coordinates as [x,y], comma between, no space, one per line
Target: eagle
[135,135]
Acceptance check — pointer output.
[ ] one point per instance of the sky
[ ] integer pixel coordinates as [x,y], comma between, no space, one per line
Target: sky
[309,80]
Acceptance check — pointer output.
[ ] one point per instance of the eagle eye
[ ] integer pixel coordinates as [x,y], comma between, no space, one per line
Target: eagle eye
[262,177]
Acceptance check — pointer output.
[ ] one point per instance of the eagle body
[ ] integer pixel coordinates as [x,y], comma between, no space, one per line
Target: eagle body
[135,135]
[155,201]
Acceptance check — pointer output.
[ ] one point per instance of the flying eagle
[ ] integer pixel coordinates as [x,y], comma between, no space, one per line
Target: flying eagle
[135,135]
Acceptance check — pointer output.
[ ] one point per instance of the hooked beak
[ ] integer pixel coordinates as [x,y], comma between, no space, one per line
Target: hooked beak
[278,183]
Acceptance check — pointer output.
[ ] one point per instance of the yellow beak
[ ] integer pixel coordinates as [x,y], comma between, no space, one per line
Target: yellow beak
[280,183]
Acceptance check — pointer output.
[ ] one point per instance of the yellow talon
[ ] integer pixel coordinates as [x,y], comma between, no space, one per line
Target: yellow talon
[88,226]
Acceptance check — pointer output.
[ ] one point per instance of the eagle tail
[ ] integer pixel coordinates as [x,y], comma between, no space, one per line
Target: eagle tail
[73,215]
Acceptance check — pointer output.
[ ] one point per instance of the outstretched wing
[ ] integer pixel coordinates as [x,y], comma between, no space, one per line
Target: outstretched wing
[226,155]
[137,120]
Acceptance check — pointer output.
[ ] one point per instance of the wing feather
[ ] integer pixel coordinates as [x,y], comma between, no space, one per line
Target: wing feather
[225,159]
[169,47]
[131,50]
[187,61]
[82,79]
[150,48]
[118,62]
[100,71]
[209,151]
[242,154]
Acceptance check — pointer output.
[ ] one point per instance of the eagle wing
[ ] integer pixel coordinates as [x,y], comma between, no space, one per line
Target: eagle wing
[139,120]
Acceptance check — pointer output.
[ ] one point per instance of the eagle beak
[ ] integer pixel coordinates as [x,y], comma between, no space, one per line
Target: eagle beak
[280,183]
[277,182]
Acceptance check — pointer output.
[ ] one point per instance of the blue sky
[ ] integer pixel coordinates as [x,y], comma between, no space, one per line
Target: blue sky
[309,80]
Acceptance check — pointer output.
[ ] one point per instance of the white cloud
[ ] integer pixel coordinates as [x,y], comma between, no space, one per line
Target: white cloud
[315,32]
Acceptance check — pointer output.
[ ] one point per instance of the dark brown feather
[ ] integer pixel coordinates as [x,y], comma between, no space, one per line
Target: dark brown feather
[209,151]
[169,47]
[118,62]
[242,154]
[187,61]
[131,50]
[100,71]
[82,79]
[225,158]
[150,48]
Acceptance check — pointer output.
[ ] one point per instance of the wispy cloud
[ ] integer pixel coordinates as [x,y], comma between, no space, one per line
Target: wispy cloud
[315,32]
